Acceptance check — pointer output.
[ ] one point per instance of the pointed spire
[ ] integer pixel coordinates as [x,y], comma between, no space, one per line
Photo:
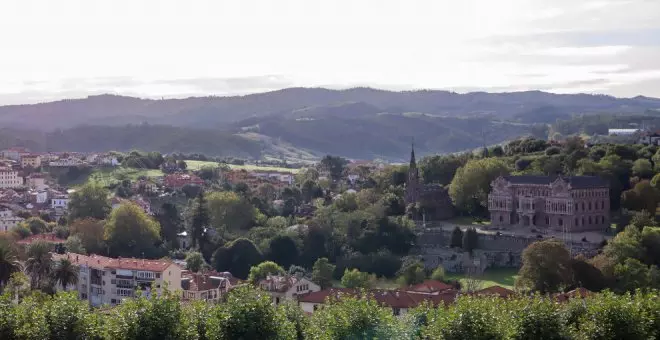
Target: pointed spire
[413,163]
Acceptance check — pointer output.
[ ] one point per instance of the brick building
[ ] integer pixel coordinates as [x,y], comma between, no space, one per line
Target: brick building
[579,203]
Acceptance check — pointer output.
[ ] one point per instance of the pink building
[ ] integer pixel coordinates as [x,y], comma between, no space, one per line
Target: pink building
[573,204]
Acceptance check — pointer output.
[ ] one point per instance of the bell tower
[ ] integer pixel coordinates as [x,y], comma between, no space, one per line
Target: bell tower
[412,181]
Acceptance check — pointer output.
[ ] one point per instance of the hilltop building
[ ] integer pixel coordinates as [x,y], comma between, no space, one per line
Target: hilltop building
[572,204]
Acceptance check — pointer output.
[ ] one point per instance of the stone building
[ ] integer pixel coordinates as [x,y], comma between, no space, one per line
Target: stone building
[572,204]
[431,200]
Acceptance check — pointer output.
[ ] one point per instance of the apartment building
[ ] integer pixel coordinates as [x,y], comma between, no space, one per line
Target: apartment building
[9,178]
[108,281]
[8,221]
[30,160]
[283,288]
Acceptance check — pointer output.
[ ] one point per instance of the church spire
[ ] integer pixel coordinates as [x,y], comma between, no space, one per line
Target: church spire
[413,163]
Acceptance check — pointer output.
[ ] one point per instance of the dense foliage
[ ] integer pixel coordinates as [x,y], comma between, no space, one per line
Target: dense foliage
[249,314]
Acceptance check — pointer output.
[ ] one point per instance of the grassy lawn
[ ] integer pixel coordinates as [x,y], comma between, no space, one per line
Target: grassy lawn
[505,277]
[196,165]
[108,176]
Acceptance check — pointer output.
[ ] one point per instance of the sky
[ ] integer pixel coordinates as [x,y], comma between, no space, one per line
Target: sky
[173,48]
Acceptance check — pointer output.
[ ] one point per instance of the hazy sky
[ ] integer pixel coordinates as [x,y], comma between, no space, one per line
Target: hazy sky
[67,48]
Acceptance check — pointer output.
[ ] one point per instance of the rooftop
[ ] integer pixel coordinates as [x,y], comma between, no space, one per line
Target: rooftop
[390,298]
[576,182]
[102,262]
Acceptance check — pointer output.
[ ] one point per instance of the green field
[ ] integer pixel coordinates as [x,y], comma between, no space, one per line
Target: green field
[109,176]
[492,277]
[196,165]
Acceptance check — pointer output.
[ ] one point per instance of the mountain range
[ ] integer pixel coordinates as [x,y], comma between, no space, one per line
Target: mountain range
[302,122]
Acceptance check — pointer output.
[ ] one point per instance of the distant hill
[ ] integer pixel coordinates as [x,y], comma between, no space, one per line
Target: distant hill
[356,123]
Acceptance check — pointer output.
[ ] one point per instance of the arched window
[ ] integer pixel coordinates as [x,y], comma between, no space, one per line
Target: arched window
[583,206]
[589,220]
[589,206]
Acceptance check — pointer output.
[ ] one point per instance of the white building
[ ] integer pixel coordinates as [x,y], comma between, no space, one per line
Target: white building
[9,178]
[283,177]
[287,287]
[66,162]
[60,201]
[8,221]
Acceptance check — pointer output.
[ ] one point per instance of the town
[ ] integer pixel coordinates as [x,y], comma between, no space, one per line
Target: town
[118,227]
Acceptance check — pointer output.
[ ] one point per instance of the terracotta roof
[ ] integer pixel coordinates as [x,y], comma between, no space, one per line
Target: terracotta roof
[496,290]
[430,286]
[278,283]
[50,238]
[575,293]
[390,298]
[101,262]
[207,281]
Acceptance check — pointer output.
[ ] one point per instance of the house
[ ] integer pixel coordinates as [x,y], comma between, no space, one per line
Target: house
[9,178]
[8,221]
[60,201]
[145,186]
[399,301]
[30,160]
[287,287]
[650,138]
[277,176]
[208,286]
[36,181]
[108,160]
[66,162]
[178,180]
[108,281]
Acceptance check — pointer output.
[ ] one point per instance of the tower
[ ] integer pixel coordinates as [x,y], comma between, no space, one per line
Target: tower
[412,181]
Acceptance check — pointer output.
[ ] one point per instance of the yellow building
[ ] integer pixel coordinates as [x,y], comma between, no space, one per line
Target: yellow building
[9,179]
[30,160]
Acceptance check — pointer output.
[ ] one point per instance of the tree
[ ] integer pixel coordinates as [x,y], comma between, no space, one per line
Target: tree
[412,273]
[438,274]
[587,275]
[356,279]
[632,274]
[310,190]
[283,250]
[441,169]
[469,188]
[65,273]
[90,232]
[546,266]
[91,200]
[642,168]
[230,212]
[322,272]
[130,232]
[8,264]
[195,261]
[170,224]
[181,164]
[642,197]
[74,245]
[334,165]
[626,244]
[36,225]
[456,238]
[198,221]
[470,240]
[263,270]
[39,263]
[237,257]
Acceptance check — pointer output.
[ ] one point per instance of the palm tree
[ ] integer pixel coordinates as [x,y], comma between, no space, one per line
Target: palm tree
[39,263]
[65,273]
[8,264]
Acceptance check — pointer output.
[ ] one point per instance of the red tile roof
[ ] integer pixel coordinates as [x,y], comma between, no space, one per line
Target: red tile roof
[430,286]
[496,290]
[50,238]
[575,293]
[390,298]
[101,262]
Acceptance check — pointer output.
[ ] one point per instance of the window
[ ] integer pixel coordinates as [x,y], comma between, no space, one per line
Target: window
[561,222]
[124,292]
[583,209]
[576,221]
[158,275]
[547,220]
[576,207]
[396,311]
[589,220]
[589,206]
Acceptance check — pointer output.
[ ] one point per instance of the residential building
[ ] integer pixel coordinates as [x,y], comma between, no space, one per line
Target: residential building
[281,177]
[572,204]
[108,281]
[650,138]
[36,181]
[30,160]
[287,287]
[14,153]
[66,162]
[208,286]
[400,301]
[108,160]
[60,201]
[9,178]
[178,180]
[8,220]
